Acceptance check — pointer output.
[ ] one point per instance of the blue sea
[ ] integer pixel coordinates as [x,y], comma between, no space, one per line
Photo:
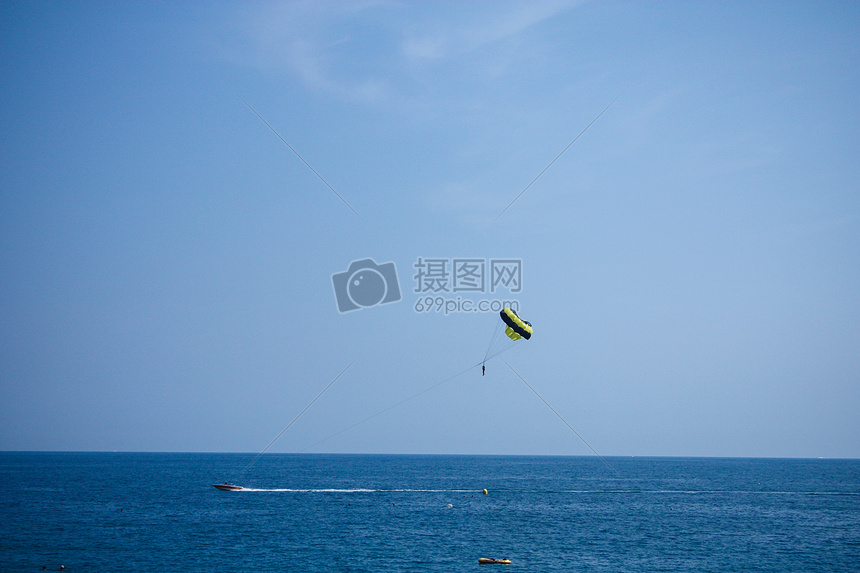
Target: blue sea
[305,512]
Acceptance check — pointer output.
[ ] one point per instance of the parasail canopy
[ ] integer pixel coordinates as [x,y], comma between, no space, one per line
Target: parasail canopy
[517,327]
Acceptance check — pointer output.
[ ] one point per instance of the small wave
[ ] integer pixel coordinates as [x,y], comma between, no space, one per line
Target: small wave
[707,492]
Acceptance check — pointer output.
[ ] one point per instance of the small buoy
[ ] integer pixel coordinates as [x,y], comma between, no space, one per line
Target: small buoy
[485,492]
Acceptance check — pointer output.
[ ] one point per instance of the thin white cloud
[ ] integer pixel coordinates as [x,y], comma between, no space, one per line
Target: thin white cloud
[304,39]
[307,39]
[492,24]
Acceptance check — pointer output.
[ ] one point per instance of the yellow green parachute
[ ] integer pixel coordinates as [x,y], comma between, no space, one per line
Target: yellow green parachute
[517,327]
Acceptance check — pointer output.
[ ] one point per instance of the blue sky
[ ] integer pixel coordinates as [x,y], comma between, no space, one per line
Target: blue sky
[691,264]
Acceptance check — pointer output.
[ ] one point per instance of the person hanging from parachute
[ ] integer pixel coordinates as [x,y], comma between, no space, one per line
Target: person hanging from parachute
[515,329]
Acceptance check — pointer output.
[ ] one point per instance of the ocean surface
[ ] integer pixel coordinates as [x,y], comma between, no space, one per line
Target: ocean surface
[159,512]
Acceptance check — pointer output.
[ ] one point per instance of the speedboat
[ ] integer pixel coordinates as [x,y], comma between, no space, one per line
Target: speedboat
[489,561]
[227,486]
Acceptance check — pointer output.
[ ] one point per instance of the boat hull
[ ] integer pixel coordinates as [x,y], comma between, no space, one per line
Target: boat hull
[227,487]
